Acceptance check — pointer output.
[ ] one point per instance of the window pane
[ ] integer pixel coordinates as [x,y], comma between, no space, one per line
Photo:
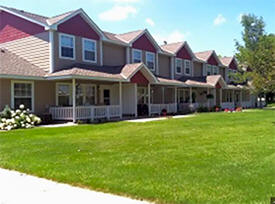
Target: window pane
[90,55]
[63,89]
[67,41]
[67,52]
[22,89]
[64,100]
[27,102]
[137,56]
[89,45]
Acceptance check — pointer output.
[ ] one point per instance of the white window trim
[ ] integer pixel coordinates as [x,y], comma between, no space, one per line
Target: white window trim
[67,35]
[154,59]
[176,71]
[12,92]
[83,50]
[136,50]
[190,72]
[56,91]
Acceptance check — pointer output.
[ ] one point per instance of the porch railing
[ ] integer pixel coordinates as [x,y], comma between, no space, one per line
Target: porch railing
[157,108]
[86,112]
[227,105]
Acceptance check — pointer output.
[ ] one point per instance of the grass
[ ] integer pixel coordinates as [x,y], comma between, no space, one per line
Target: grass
[210,158]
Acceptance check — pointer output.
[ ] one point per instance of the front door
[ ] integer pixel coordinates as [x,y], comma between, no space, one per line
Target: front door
[106,97]
[142,97]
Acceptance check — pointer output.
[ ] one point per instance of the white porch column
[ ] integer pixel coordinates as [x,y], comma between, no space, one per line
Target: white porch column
[120,99]
[208,100]
[149,99]
[136,102]
[74,101]
[176,104]
[162,98]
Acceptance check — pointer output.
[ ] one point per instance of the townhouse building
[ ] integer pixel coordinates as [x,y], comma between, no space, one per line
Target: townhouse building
[67,66]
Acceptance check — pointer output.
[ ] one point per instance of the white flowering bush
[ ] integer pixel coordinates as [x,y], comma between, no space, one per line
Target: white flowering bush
[20,118]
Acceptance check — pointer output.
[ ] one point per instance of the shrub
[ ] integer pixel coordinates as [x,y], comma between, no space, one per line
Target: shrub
[20,118]
[202,109]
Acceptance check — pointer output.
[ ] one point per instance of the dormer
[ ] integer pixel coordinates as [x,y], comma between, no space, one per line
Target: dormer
[212,64]
[231,64]
[142,48]
[182,60]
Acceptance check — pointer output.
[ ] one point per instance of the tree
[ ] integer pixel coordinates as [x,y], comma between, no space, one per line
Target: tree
[256,54]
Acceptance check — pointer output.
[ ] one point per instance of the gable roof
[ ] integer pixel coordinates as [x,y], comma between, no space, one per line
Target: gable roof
[56,19]
[205,55]
[35,18]
[129,36]
[173,48]
[226,60]
[12,64]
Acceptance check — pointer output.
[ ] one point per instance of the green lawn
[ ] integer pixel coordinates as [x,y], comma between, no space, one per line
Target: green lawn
[210,158]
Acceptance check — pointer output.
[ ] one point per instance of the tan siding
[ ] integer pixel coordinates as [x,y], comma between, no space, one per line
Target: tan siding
[65,63]
[198,69]
[5,93]
[35,49]
[164,66]
[113,55]
[44,96]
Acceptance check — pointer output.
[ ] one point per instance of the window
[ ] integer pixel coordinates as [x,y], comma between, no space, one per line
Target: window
[187,67]
[215,70]
[85,94]
[208,69]
[150,60]
[22,93]
[66,46]
[181,96]
[178,66]
[64,94]
[137,56]
[106,97]
[89,50]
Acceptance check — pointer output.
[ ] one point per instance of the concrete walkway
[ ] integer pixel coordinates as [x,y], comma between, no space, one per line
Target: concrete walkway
[20,188]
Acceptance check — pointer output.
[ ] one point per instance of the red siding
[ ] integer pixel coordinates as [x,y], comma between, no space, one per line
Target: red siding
[233,65]
[184,54]
[212,60]
[79,27]
[218,86]
[139,78]
[143,43]
[13,27]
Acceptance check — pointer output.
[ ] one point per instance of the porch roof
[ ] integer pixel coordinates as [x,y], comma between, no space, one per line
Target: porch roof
[196,81]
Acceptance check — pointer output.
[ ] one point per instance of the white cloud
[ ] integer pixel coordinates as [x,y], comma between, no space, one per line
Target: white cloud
[150,22]
[118,13]
[174,36]
[220,19]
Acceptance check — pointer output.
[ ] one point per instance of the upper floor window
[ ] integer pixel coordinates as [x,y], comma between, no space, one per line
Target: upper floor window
[215,70]
[150,60]
[178,66]
[137,56]
[89,50]
[208,69]
[66,46]
[187,67]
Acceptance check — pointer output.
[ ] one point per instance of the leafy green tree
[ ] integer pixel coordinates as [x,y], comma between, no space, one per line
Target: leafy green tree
[257,53]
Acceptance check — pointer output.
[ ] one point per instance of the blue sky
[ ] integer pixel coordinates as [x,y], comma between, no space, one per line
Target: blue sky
[204,24]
